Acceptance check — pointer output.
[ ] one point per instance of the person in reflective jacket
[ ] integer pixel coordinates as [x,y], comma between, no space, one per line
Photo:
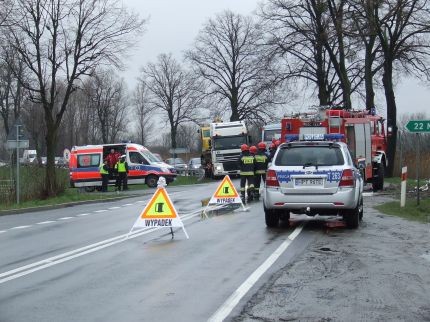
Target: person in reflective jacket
[122,168]
[246,173]
[104,172]
[261,163]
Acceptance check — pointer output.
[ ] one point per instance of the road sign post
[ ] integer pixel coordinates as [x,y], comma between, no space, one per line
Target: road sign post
[17,140]
[418,126]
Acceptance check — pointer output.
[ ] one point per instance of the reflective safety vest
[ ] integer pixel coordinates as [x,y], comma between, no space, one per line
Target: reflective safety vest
[120,166]
[261,162]
[102,169]
[247,165]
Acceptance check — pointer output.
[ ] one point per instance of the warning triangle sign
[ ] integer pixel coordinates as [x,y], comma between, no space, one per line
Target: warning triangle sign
[226,193]
[159,213]
[159,207]
[226,189]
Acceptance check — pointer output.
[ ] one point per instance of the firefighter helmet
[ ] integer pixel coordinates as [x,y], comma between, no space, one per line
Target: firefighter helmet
[272,146]
[277,143]
[261,146]
[244,147]
[253,149]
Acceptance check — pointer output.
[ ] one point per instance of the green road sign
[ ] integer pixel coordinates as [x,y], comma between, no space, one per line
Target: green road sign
[420,126]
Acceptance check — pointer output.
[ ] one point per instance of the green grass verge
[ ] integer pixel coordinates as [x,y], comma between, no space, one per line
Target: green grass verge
[69,195]
[411,211]
[75,195]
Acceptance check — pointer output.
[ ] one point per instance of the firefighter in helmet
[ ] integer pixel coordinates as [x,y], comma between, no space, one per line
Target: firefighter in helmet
[261,163]
[246,173]
[272,150]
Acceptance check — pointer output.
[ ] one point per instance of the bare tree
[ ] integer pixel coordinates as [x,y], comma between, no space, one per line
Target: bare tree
[188,137]
[228,55]
[106,94]
[291,32]
[144,113]
[173,91]
[11,91]
[402,27]
[59,42]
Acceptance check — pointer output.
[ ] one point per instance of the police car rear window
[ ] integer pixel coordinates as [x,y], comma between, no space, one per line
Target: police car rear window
[88,160]
[312,155]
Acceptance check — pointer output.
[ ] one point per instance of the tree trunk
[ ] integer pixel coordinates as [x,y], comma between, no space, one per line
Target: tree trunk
[390,98]
[368,73]
[173,137]
[50,178]
[323,94]
[234,106]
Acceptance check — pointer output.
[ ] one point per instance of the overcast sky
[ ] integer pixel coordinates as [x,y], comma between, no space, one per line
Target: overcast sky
[174,24]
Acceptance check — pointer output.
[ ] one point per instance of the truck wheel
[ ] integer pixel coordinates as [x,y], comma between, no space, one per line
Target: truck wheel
[90,189]
[151,181]
[378,182]
[272,217]
[352,217]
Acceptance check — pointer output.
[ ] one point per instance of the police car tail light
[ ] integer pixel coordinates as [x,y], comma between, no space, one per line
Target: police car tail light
[347,179]
[271,179]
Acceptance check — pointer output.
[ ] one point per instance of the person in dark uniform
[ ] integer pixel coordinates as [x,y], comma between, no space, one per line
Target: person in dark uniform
[246,173]
[104,172]
[261,163]
[122,168]
[272,150]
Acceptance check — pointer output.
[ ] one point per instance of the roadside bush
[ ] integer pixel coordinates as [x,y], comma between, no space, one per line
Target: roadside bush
[32,183]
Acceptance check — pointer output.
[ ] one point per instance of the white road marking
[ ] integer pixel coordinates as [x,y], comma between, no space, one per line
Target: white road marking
[82,215]
[20,227]
[127,204]
[141,201]
[65,218]
[103,210]
[111,208]
[239,293]
[2,231]
[61,258]
[45,222]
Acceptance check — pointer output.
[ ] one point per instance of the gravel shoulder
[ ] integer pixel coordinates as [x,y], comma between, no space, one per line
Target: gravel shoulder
[380,272]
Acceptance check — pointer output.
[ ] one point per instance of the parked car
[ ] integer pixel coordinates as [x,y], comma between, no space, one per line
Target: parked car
[61,162]
[313,177]
[178,164]
[194,165]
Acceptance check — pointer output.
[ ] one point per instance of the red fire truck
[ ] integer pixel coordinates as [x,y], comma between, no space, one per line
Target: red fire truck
[363,132]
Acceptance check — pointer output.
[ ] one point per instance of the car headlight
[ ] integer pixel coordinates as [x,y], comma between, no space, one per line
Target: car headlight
[219,166]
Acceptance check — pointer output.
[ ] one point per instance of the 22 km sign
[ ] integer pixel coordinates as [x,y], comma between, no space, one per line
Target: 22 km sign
[420,126]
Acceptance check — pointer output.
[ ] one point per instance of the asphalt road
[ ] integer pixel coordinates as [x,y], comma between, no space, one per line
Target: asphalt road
[74,264]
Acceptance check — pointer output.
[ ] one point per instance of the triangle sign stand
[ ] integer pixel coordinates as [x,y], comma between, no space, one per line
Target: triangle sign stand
[159,213]
[225,194]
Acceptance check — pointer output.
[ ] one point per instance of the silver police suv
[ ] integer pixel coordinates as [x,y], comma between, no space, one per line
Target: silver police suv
[313,177]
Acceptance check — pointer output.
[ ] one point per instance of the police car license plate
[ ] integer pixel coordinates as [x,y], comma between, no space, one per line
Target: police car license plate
[309,182]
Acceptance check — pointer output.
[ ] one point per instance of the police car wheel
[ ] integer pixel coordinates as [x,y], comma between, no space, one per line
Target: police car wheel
[361,209]
[352,217]
[272,217]
[151,181]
